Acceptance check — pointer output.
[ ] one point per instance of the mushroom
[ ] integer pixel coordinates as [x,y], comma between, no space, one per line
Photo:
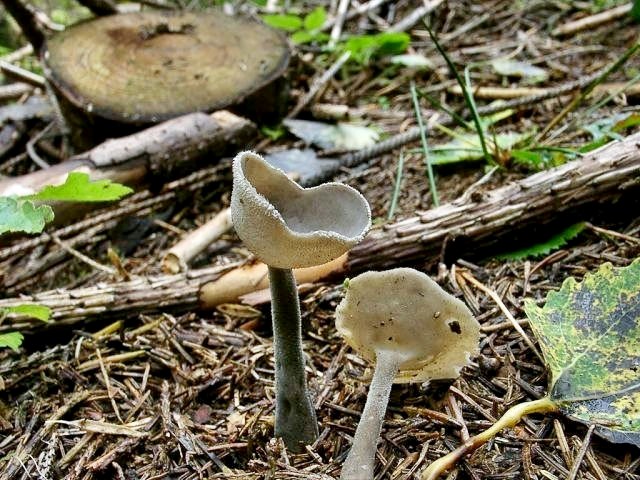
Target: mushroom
[287,226]
[413,330]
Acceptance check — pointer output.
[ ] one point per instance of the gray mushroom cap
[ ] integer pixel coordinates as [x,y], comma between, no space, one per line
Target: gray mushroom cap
[404,311]
[287,226]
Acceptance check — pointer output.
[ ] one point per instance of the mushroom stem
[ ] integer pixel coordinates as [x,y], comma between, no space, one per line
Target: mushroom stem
[360,462]
[295,417]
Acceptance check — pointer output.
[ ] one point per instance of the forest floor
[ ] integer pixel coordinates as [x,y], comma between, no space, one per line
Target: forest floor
[196,389]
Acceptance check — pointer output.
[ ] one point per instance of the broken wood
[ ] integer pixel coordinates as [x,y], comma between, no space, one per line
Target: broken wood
[163,151]
[508,93]
[592,21]
[14,90]
[121,72]
[478,220]
[196,241]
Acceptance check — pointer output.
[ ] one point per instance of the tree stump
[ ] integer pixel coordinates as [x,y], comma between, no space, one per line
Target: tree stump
[117,73]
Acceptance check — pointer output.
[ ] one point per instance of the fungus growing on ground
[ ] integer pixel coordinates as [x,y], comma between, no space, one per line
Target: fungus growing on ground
[134,69]
[287,226]
[413,330]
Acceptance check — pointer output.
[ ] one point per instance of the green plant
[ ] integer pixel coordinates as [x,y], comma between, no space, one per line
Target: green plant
[28,214]
[303,29]
[635,10]
[362,47]
[466,91]
[425,146]
[543,248]
[589,334]
[13,340]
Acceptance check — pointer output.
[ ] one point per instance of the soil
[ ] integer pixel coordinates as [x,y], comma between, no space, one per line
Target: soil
[191,395]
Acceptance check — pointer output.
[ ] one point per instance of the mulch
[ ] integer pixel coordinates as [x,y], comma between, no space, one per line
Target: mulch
[191,396]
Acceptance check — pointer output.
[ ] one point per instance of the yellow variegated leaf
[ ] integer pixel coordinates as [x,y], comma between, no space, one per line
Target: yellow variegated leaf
[589,333]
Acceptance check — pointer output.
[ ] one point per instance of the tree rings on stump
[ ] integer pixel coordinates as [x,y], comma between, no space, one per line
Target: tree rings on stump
[142,68]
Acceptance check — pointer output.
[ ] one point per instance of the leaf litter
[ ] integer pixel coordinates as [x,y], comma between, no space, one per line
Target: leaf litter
[191,373]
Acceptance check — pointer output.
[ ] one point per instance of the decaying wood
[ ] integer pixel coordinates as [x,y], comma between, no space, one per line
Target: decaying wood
[125,71]
[157,294]
[22,74]
[14,90]
[600,177]
[507,93]
[479,220]
[592,21]
[178,256]
[100,7]
[164,151]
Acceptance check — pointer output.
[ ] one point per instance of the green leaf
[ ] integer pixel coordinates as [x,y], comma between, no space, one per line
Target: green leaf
[288,23]
[467,147]
[30,310]
[315,20]
[302,36]
[13,340]
[589,334]
[540,158]
[18,215]
[543,248]
[274,133]
[609,128]
[78,188]
[635,10]
[392,43]
[365,47]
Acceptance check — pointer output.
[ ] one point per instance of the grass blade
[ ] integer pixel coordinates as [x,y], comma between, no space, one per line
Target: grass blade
[425,147]
[578,99]
[466,91]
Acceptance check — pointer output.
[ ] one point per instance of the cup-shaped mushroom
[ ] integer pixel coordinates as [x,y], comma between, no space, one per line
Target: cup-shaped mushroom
[405,311]
[287,226]
[413,330]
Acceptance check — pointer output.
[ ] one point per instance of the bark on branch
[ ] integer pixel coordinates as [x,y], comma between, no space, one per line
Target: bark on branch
[599,178]
[163,151]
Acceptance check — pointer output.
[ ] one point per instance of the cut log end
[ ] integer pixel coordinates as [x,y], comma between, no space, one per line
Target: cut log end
[144,67]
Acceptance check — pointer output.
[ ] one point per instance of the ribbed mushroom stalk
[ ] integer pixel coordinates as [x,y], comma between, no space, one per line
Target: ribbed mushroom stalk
[287,226]
[414,331]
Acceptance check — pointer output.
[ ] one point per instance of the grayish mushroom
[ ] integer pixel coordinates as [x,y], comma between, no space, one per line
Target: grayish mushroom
[287,226]
[413,330]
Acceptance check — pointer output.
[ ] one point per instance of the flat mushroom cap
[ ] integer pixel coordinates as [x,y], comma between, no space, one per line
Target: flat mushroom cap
[404,311]
[151,66]
[287,226]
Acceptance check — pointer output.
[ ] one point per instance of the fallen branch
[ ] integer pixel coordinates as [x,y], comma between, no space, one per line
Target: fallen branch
[165,151]
[194,242]
[508,93]
[142,295]
[14,90]
[592,21]
[479,220]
